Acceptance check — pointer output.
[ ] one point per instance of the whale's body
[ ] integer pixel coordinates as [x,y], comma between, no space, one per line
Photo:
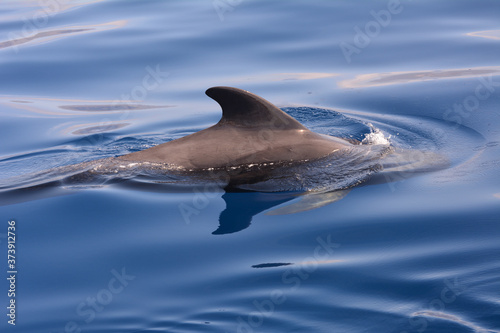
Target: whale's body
[251,131]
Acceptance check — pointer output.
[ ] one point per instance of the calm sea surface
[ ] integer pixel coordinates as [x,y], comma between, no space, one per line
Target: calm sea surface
[415,248]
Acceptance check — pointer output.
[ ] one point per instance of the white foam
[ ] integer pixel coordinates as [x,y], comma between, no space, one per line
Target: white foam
[375,137]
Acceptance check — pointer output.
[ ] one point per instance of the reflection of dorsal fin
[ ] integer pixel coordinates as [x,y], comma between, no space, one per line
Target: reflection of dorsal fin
[242,108]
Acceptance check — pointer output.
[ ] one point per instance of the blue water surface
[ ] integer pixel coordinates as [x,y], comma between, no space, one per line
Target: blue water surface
[415,247]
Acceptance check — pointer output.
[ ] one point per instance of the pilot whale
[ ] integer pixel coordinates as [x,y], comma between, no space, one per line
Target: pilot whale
[252,131]
[255,146]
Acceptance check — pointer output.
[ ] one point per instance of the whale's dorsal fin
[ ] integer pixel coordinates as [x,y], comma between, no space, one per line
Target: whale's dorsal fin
[242,108]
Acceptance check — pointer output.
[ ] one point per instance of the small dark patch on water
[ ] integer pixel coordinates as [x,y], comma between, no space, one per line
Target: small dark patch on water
[273,264]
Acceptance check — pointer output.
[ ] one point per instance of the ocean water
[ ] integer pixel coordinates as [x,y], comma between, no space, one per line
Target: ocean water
[410,246]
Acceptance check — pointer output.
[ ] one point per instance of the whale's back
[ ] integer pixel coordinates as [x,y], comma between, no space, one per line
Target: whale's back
[251,131]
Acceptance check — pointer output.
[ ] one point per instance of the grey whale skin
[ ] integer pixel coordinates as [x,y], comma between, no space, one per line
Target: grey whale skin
[252,131]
